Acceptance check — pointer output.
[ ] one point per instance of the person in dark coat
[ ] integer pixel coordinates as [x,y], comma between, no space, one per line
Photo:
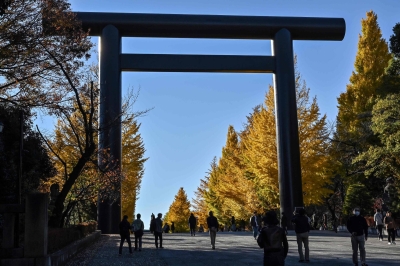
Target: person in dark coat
[213,225]
[173,227]
[302,229]
[284,222]
[192,224]
[124,227]
[152,223]
[138,228]
[358,228]
[158,230]
[255,223]
[273,239]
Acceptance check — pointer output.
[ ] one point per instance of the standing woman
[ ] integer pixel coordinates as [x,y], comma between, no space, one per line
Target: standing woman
[389,222]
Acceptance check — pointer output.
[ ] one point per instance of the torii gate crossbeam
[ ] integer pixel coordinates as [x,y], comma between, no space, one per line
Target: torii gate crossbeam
[111,27]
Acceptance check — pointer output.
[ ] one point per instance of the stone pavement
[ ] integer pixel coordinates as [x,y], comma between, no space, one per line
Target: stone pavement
[239,248]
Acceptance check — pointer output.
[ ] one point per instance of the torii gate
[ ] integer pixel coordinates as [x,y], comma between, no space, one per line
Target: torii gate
[111,27]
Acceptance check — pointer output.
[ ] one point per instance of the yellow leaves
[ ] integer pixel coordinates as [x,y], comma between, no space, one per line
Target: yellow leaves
[179,212]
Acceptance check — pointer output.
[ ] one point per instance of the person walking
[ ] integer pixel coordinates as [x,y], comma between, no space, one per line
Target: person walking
[324,222]
[152,223]
[284,222]
[358,228]
[378,219]
[124,232]
[390,228]
[273,239]
[158,230]
[302,229]
[254,224]
[138,228]
[192,224]
[213,225]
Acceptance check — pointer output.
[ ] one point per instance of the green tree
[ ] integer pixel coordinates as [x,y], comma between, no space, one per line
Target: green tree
[358,196]
[179,211]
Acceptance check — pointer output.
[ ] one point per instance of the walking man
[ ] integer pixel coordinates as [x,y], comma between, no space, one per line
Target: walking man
[390,228]
[254,224]
[138,227]
[378,219]
[213,225]
[158,230]
[124,232]
[284,222]
[273,239]
[302,229]
[192,224]
[358,228]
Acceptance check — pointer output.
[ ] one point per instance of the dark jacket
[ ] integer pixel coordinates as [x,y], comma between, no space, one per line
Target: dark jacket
[212,222]
[357,224]
[273,239]
[301,224]
[124,227]
[283,220]
[192,221]
[158,225]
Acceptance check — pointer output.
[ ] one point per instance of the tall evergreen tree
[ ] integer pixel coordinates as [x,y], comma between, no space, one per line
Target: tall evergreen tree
[179,211]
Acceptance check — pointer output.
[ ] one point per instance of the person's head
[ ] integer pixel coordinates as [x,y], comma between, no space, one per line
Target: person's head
[152,216]
[138,215]
[302,212]
[378,210]
[255,213]
[210,213]
[159,215]
[389,213]
[125,217]
[356,211]
[270,218]
[191,214]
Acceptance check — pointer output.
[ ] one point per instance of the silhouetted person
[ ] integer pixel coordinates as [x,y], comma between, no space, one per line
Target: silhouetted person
[273,239]
[284,222]
[302,229]
[158,230]
[358,227]
[201,229]
[124,232]
[213,225]
[152,223]
[324,222]
[192,225]
[166,228]
[173,227]
[254,223]
[233,223]
[138,227]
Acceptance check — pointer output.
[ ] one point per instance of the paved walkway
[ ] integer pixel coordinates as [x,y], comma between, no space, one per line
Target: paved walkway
[238,248]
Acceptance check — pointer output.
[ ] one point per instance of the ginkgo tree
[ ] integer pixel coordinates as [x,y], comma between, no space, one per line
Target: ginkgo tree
[179,212]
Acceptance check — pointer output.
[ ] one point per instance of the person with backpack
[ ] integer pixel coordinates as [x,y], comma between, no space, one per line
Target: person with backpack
[273,239]
[358,228]
[192,224]
[378,218]
[137,228]
[124,232]
[302,229]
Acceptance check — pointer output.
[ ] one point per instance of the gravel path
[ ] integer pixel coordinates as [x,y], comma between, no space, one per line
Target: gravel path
[233,249]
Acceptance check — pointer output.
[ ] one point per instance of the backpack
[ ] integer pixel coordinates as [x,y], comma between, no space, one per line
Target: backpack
[270,239]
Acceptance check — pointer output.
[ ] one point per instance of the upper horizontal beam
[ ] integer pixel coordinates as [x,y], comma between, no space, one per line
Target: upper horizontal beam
[213,26]
[197,63]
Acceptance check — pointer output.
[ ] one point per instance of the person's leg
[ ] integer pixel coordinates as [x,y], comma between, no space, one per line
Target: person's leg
[388,233]
[136,239]
[306,246]
[361,244]
[255,231]
[380,226]
[300,246]
[128,239]
[121,244]
[354,247]
[394,235]
[160,236]
[156,239]
[140,243]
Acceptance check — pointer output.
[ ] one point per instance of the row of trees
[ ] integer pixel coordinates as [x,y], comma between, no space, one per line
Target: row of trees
[342,165]
[44,66]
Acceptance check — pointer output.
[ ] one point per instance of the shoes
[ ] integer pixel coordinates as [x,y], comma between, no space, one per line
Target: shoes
[389,243]
[156,246]
[161,247]
[364,264]
[301,261]
[393,243]
[380,239]
[119,254]
[213,247]
[131,252]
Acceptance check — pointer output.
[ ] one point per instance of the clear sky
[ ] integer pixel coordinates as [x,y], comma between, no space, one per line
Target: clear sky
[192,112]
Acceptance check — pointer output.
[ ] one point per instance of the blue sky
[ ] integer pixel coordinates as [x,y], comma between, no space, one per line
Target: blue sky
[192,111]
